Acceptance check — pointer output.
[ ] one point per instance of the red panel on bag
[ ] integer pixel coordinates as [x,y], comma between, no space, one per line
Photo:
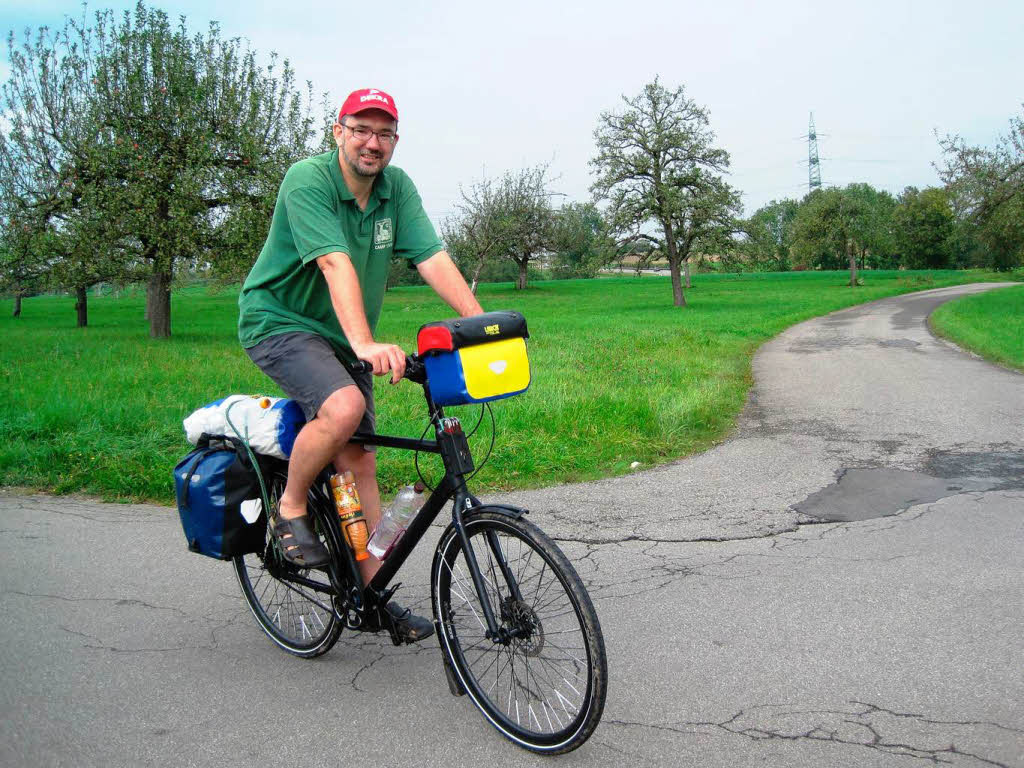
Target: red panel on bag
[435,339]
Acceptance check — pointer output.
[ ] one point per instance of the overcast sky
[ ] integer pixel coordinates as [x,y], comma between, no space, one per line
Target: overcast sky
[485,87]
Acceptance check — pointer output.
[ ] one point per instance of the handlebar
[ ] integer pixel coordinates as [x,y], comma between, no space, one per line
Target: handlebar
[414,368]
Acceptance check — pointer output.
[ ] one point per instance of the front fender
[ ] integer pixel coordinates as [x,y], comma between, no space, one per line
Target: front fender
[501,509]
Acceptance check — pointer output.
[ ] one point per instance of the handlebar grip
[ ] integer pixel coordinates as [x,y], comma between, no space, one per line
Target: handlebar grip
[413,367]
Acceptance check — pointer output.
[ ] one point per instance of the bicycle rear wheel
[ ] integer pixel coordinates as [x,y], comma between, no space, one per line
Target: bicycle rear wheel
[544,685]
[293,605]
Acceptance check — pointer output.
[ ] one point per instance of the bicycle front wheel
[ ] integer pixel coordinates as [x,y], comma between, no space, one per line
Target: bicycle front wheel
[543,682]
[293,605]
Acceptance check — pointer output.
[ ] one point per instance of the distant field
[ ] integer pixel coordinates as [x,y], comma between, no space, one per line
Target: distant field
[990,324]
[619,375]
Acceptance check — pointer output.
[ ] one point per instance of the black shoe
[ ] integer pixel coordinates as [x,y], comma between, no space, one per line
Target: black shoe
[410,627]
[300,544]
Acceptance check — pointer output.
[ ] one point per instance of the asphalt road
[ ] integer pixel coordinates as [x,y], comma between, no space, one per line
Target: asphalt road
[837,584]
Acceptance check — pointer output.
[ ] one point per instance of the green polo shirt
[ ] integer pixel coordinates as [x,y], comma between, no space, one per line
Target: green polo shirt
[316,214]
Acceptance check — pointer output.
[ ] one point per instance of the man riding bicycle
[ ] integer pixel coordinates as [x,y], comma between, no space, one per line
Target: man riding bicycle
[313,298]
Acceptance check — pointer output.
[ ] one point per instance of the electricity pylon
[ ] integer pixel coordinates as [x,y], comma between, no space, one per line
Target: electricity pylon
[813,163]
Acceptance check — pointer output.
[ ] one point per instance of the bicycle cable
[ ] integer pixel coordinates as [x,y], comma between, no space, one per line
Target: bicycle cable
[416,456]
[490,448]
[432,421]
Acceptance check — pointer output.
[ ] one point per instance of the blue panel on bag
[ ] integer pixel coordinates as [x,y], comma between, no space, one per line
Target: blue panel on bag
[291,419]
[202,511]
[447,382]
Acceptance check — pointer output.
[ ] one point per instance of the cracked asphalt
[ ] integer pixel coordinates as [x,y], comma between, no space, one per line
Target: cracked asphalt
[839,583]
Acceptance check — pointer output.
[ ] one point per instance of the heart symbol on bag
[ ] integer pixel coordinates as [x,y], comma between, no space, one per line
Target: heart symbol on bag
[498,367]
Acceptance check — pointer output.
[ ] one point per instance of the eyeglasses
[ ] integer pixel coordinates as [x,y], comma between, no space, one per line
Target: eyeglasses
[362,133]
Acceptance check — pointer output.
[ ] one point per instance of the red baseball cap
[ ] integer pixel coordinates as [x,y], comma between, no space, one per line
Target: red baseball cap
[368,98]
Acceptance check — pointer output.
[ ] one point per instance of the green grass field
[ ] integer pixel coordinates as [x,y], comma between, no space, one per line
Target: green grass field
[619,375]
[990,324]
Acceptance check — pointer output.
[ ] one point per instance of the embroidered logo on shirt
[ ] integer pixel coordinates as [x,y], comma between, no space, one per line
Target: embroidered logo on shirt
[383,234]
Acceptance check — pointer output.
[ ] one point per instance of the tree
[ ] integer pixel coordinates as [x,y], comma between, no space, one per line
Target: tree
[175,142]
[987,189]
[657,168]
[836,226]
[823,235]
[84,251]
[510,218]
[474,235]
[24,258]
[705,220]
[581,241]
[873,229]
[769,234]
[923,228]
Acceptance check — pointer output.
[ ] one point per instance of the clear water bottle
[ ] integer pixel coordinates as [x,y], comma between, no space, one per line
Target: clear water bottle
[394,520]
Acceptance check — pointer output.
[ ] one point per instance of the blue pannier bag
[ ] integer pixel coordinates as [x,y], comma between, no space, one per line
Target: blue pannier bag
[219,499]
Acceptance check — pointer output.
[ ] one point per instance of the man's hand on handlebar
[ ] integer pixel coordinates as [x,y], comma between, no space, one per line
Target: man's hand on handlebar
[383,358]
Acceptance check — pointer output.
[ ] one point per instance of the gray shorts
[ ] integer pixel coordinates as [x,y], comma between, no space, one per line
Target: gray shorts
[306,367]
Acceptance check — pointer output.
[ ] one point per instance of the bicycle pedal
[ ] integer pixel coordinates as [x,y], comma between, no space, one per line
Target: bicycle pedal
[454,686]
[397,639]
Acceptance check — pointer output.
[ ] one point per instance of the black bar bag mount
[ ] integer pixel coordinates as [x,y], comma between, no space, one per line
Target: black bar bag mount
[220,500]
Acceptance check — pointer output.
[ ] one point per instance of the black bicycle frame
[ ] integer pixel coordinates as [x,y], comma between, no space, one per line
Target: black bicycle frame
[453,447]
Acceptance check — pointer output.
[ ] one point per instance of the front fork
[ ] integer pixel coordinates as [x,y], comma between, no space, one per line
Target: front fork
[459,463]
[496,631]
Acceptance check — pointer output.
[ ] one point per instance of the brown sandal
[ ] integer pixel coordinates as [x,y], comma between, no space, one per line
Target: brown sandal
[302,547]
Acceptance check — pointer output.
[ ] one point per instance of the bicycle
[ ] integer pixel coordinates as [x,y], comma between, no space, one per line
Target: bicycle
[517,629]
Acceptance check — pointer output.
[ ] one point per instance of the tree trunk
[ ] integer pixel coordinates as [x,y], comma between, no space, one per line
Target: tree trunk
[476,277]
[677,285]
[852,253]
[17,305]
[82,305]
[521,283]
[673,264]
[686,271]
[158,305]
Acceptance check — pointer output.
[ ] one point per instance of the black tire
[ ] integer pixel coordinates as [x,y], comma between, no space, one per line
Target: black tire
[299,617]
[544,690]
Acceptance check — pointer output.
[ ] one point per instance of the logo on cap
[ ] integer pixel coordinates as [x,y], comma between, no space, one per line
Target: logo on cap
[374,95]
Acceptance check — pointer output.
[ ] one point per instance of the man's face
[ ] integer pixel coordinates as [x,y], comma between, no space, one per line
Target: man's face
[366,156]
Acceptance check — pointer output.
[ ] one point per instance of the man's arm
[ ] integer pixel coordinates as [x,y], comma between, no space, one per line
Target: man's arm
[444,277]
[347,300]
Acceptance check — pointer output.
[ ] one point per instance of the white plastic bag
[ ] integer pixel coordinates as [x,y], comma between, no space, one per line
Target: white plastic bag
[269,424]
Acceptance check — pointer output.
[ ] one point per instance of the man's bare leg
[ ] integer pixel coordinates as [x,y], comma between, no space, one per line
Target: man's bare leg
[317,443]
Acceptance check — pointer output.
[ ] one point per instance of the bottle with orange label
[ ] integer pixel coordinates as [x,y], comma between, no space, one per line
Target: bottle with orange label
[350,513]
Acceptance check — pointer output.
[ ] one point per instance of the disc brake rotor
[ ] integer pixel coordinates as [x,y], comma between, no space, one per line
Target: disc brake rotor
[523,622]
